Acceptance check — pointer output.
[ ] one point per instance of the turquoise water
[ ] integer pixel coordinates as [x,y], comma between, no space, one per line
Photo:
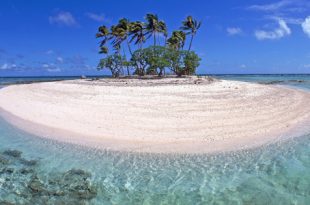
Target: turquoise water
[4,81]
[298,80]
[42,171]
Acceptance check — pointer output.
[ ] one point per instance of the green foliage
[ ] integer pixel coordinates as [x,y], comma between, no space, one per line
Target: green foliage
[183,62]
[104,50]
[137,32]
[115,63]
[153,60]
[155,26]
[190,26]
[157,60]
[177,40]
[191,63]
[103,32]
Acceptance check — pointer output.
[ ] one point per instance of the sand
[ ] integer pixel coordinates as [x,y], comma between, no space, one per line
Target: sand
[187,115]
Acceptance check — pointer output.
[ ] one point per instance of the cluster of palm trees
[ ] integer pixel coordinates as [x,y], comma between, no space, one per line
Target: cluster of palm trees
[126,35]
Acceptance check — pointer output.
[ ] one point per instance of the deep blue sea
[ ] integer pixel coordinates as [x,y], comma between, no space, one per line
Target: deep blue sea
[34,170]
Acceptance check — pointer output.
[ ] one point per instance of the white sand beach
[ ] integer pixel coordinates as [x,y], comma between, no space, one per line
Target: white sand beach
[187,115]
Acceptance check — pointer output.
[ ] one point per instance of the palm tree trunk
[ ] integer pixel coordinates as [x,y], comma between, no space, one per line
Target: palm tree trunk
[190,45]
[129,48]
[123,72]
[141,45]
[158,39]
[154,47]
[141,70]
[130,51]
[128,72]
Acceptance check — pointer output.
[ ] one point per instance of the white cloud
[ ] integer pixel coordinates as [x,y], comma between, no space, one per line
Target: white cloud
[5,66]
[53,70]
[97,17]
[292,20]
[233,31]
[50,52]
[59,59]
[282,6]
[288,20]
[306,26]
[307,66]
[50,67]
[271,7]
[243,66]
[63,18]
[280,32]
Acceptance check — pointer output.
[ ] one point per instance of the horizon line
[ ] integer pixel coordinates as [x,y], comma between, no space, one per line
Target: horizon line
[59,76]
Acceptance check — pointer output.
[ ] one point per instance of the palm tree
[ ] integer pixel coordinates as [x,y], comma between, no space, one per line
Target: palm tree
[103,32]
[122,32]
[177,40]
[164,30]
[125,26]
[137,33]
[117,36]
[151,26]
[190,25]
[154,27]
[181,36]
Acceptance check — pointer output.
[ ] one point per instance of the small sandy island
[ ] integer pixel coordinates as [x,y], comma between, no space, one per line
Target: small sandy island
[173,115]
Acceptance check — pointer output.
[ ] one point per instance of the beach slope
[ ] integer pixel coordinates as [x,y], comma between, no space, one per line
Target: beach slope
[158,116]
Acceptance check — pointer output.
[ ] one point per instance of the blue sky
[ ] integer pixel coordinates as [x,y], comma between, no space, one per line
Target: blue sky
[57,37]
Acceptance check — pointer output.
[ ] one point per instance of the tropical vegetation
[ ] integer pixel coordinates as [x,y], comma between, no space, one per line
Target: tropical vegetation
[145,48]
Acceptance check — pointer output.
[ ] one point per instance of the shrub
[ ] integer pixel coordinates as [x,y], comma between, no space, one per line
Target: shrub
[155,59]
[115,63]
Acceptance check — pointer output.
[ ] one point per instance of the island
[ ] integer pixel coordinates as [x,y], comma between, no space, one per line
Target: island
[166,115]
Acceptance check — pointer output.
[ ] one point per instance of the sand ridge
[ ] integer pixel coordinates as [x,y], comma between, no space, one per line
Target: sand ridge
[162,116]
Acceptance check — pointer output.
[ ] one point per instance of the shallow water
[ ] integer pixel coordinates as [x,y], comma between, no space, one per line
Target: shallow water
[296,80]
[273,174]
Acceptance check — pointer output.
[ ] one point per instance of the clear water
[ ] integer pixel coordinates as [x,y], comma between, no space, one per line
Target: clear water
[273,174]
[297,80]
[4,81]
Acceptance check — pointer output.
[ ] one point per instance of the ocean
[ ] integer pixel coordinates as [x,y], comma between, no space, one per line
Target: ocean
[36,170]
